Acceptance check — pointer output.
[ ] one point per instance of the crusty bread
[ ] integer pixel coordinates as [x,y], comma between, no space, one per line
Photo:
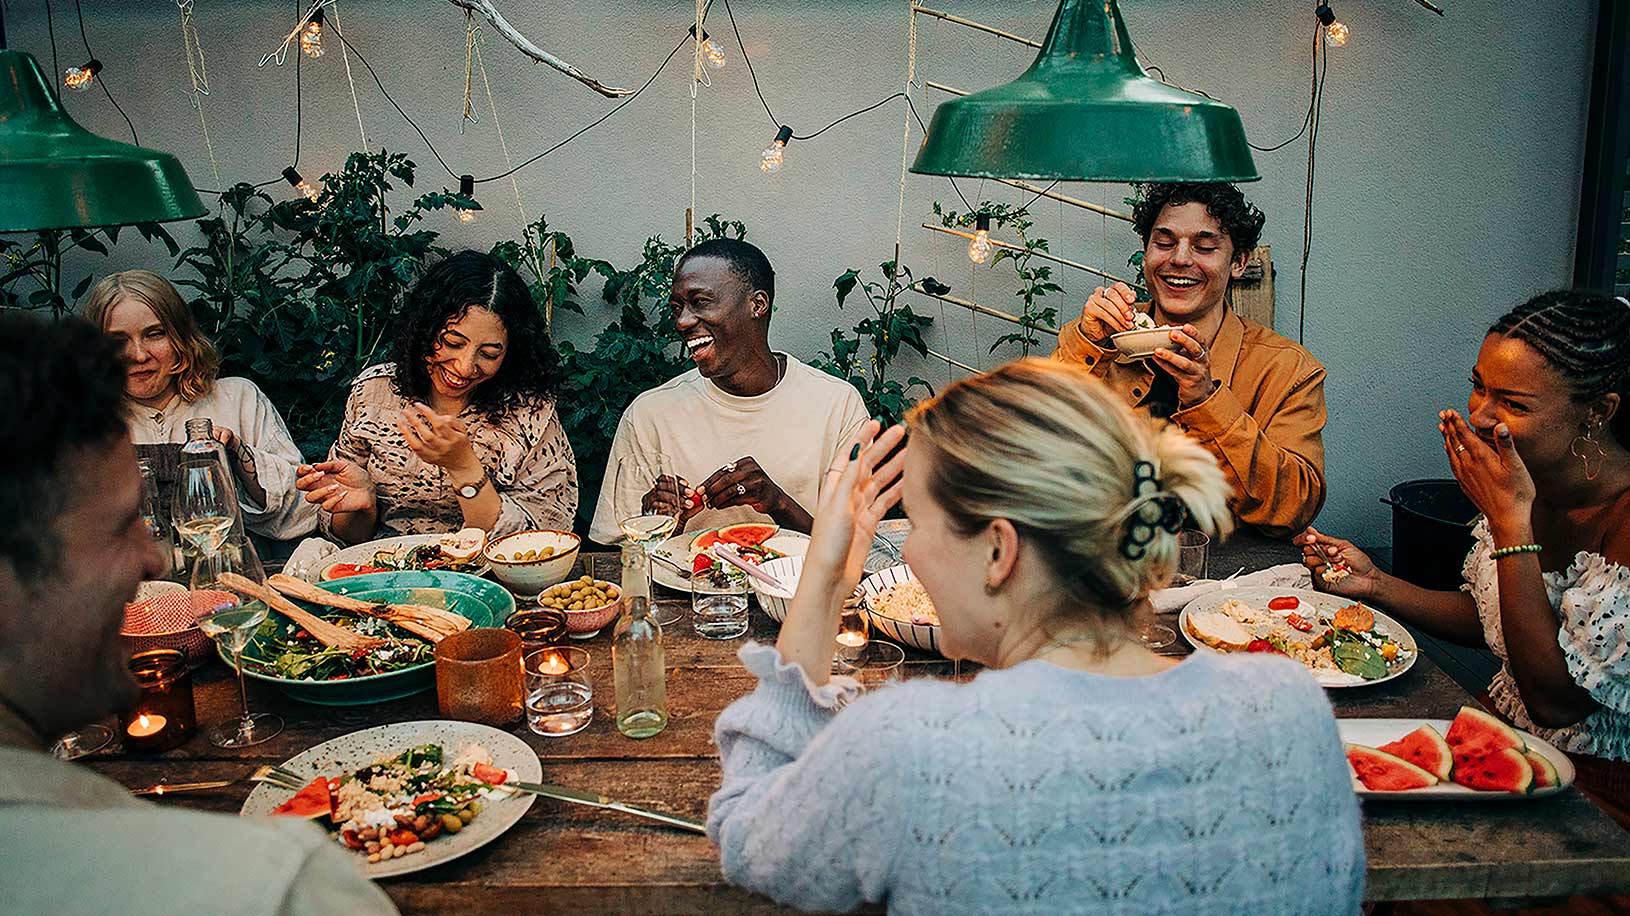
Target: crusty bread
[1218,630]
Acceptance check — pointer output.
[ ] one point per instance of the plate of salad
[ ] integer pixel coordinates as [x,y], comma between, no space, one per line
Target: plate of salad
[407,796]
[457,552]
[283,654]
[1342,642]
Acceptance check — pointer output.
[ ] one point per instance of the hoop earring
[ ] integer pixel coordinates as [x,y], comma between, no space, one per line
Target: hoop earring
[1585,458]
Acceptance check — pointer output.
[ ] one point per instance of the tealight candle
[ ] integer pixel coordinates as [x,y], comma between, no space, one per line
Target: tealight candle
[164,716]
[559,695]
[551,662]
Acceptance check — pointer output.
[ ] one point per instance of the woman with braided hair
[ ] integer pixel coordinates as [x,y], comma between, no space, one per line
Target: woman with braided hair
[1544,452]
[1078,773]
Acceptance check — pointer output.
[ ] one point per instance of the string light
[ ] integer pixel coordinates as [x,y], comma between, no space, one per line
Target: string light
[712,52]
[1336,32]
[775,154]
[466,188]
[980,248]
[80,79]
[311,35]
[292,176]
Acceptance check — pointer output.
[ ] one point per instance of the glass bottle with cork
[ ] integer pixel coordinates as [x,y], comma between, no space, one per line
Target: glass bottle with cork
[636,654]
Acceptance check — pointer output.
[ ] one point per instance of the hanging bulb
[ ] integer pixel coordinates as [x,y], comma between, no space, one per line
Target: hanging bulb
[311,37]
[1338,33]
[775,154]
[980,248]
[711,52]
[466,188]
[298,183]
[80,79]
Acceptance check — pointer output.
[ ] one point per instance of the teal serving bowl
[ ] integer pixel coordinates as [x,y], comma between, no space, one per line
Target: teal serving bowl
[486,603]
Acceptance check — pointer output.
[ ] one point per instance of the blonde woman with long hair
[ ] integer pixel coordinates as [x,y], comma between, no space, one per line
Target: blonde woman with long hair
[1079,773]
[171,377]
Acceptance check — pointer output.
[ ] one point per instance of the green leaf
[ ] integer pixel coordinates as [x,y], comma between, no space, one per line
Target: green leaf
[845,284]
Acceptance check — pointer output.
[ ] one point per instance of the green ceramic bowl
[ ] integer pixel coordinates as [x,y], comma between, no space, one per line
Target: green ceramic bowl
[486,603]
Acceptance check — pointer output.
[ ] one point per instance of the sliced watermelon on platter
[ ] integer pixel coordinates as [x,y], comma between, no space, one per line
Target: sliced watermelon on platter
[1380,771]
[315,800]
[748,534]
[1425,748]
[1505,770]
[1475,733]
[1545,774]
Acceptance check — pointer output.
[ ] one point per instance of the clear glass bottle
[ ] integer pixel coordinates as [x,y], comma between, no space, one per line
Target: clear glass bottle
[636,654]
[202,445]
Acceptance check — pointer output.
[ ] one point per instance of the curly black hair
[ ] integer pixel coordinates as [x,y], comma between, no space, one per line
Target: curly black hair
[1238,216]
[449,289]
[65,391]
[1584,336]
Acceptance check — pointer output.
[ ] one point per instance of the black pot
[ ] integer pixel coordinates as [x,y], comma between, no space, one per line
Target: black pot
[1431,532]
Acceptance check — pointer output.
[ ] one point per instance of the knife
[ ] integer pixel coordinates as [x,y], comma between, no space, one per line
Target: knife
[579,797]
[172,788]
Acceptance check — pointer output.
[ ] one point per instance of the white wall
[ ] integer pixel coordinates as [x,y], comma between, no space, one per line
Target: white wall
[1448,169]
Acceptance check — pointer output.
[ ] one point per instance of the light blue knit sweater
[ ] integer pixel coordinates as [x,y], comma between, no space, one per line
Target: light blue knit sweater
[1218,786]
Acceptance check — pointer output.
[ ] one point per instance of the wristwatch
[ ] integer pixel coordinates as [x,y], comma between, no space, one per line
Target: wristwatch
[472,490]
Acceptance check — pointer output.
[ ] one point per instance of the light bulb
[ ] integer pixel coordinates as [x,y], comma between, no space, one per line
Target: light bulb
[80,79]
[466,188]
[299,183]
[1338,33]
[774,155]
[713,53]
[980,248]
[311,37]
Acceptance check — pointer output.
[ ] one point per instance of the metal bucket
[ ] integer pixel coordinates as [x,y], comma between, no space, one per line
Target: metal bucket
[1431,532]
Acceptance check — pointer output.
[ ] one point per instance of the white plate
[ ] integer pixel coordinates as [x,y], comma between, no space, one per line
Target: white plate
[1323,604]
[363,554]
[677,550]
[1376,732]
[358,749]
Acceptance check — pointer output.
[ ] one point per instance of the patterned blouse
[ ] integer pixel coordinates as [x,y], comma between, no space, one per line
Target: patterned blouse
[1592,603]
[526,455]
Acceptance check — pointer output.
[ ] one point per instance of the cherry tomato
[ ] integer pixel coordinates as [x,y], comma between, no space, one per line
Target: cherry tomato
[402,837]
[1299,622]
[701,564]
[341,570]
[351,839]
[1284,603]
[1262,645]
[487,774]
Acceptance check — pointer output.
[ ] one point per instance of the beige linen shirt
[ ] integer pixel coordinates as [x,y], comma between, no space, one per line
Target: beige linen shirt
[526,455]
[793,431]
[1264,422]
[73,841]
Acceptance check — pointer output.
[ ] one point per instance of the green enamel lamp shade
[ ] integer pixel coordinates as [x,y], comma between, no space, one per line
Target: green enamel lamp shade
[55,174]
[1086,111]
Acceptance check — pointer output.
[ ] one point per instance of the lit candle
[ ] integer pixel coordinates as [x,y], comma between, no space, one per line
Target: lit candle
[146,725]
[553,663]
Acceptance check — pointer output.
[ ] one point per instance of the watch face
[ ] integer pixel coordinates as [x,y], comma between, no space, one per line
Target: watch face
[468,492]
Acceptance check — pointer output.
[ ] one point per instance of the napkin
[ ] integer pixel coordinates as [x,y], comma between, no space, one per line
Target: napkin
[1285,575]
[309,558]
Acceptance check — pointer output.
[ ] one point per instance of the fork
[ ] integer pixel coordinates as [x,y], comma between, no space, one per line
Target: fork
[278,776]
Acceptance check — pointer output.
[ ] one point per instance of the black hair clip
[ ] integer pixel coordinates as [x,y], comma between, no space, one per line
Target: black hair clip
[1140,527]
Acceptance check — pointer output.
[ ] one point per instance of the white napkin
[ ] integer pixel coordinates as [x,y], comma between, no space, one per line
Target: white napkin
[1285,575]
[309,558]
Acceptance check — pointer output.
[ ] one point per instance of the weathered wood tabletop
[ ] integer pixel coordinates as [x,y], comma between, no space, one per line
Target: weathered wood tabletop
[565,858]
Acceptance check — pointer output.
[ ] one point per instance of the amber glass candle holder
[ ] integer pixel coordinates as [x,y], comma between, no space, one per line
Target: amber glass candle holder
[164,717]
[478,676]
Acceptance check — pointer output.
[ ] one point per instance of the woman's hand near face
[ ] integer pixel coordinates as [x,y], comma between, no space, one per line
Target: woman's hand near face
[1494,478]
[437,439]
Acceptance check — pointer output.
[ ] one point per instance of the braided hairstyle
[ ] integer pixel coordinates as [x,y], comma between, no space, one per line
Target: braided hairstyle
[1584,336]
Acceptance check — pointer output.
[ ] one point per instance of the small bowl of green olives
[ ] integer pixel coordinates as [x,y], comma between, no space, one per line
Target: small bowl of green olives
[528,561]
[589,604]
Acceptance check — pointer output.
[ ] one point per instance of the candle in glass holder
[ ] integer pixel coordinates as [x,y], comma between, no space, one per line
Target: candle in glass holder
[559,694]
[164,716]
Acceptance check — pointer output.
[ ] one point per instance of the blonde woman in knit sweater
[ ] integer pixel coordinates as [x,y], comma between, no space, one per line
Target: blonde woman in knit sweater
[1079,773]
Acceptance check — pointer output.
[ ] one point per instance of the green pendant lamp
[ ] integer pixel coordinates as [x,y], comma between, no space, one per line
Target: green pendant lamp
[1087,111]
[55,174]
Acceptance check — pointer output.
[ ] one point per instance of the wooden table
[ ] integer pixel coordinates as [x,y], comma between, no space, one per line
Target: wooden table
[568,858]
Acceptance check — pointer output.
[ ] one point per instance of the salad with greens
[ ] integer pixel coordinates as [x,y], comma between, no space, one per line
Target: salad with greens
[282,649]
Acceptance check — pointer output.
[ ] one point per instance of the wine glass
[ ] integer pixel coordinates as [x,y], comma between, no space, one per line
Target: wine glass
[654,520]
[87,739]
[203,512]
[233,625]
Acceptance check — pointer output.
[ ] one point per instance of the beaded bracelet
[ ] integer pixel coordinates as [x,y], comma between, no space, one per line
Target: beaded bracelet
[1515,549]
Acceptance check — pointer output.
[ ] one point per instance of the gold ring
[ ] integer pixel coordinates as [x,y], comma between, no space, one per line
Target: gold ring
[1460,448]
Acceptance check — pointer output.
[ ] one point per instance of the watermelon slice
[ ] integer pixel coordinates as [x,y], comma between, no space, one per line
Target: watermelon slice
[1475,733]
[1425,748]
[1380,771]
[748,535]
[1545,774]
[1505,770]
[315,800]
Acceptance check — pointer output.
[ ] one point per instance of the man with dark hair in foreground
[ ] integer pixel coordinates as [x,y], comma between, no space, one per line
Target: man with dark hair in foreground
[750,431]
[73,547]
[1251,397]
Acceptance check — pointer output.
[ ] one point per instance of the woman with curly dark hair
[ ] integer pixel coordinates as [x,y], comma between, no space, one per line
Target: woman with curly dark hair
[1254,399]
[460,430]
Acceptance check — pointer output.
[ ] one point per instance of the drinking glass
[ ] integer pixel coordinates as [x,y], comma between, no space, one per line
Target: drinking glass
[655,521]
[559,695]
[86,740]
[233,625]
[204,517]
[874,665]
[1193,556]
[719,603]
[1156,636]
[853,632]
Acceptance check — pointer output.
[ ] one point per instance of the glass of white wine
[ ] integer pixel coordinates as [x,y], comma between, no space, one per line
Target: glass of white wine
[233,625]
[203,516]
[661,500]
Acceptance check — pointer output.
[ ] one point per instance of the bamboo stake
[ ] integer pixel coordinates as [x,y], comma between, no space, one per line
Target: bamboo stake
[944,88]
[1040,254]
[937,14]
[985,310]
[1064,198]
[959,365]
